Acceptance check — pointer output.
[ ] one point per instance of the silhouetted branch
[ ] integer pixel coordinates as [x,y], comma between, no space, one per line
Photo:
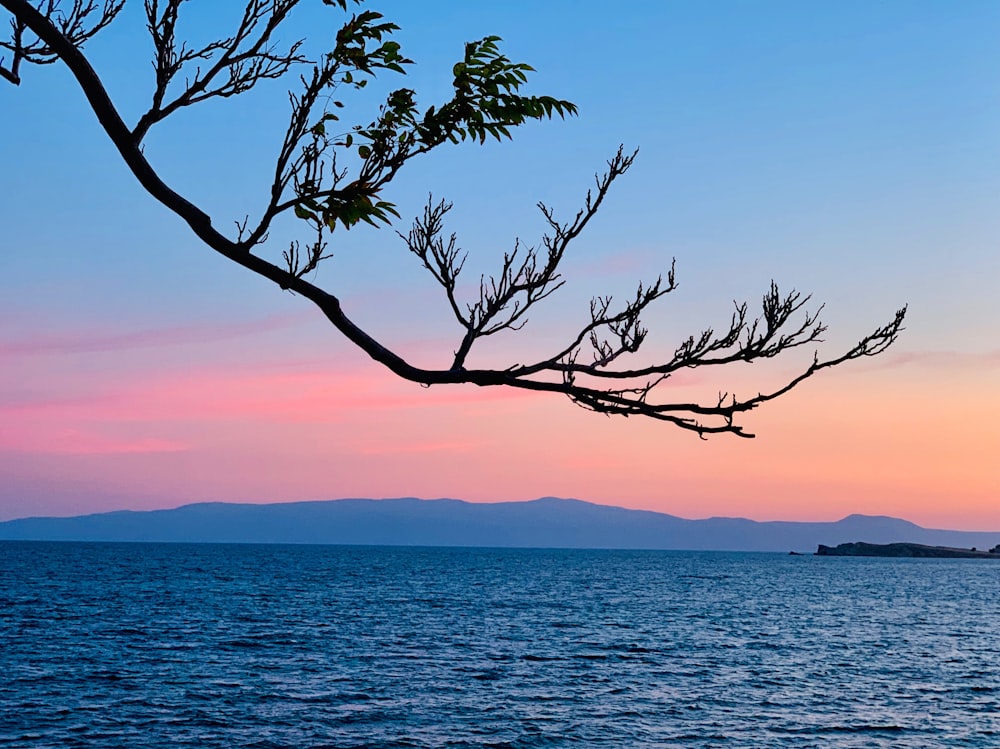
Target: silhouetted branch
[444,261]
[592,368]
[233,65]
[526,276]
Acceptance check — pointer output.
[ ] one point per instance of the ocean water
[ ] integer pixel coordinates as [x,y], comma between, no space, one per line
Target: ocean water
[164,646]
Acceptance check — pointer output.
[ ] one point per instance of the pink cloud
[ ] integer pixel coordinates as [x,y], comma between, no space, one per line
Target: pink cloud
[152,412]
[298,396]
[642,263]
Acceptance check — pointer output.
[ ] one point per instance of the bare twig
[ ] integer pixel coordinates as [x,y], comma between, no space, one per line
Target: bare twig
[233,65]
[77,24]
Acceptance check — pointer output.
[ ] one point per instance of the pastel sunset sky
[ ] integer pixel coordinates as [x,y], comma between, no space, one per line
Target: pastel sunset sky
[850,150]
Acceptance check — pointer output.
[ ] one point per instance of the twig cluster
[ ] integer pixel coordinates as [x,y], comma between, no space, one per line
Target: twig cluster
[222,68]
[76,22]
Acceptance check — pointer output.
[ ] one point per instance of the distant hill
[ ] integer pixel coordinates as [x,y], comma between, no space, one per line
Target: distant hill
[545,523]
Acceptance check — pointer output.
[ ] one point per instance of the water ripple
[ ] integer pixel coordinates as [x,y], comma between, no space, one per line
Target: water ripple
[170,646]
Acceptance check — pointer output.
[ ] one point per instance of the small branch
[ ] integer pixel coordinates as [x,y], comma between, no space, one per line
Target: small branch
[527,275]
[242,60]
[77,25]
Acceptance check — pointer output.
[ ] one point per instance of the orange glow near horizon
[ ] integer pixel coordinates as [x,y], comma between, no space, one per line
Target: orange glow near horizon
[840,445]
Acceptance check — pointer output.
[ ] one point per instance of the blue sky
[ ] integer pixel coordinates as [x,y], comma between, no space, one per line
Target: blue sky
[850,150]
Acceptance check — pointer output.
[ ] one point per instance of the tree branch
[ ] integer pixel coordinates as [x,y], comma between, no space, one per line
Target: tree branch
[486,103]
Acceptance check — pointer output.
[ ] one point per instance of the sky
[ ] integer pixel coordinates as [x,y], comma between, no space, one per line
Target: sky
[849,150]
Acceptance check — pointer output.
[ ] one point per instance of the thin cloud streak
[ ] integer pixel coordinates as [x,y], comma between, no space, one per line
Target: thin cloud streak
[951,360]
[71,441]
[90,341]
[417,448]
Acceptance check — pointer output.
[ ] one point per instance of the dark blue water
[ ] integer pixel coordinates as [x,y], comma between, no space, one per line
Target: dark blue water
[115,645]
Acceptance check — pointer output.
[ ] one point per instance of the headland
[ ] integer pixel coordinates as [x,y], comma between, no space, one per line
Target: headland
[862,549]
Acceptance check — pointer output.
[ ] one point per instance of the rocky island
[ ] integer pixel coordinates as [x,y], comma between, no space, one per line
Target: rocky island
[862,549]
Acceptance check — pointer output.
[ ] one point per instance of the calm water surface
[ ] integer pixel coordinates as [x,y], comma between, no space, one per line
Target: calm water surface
[128,645]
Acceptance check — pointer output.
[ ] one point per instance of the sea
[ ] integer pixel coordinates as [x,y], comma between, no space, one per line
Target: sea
[164,646]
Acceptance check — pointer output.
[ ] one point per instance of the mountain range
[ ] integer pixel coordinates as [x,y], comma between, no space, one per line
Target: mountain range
[543,523]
